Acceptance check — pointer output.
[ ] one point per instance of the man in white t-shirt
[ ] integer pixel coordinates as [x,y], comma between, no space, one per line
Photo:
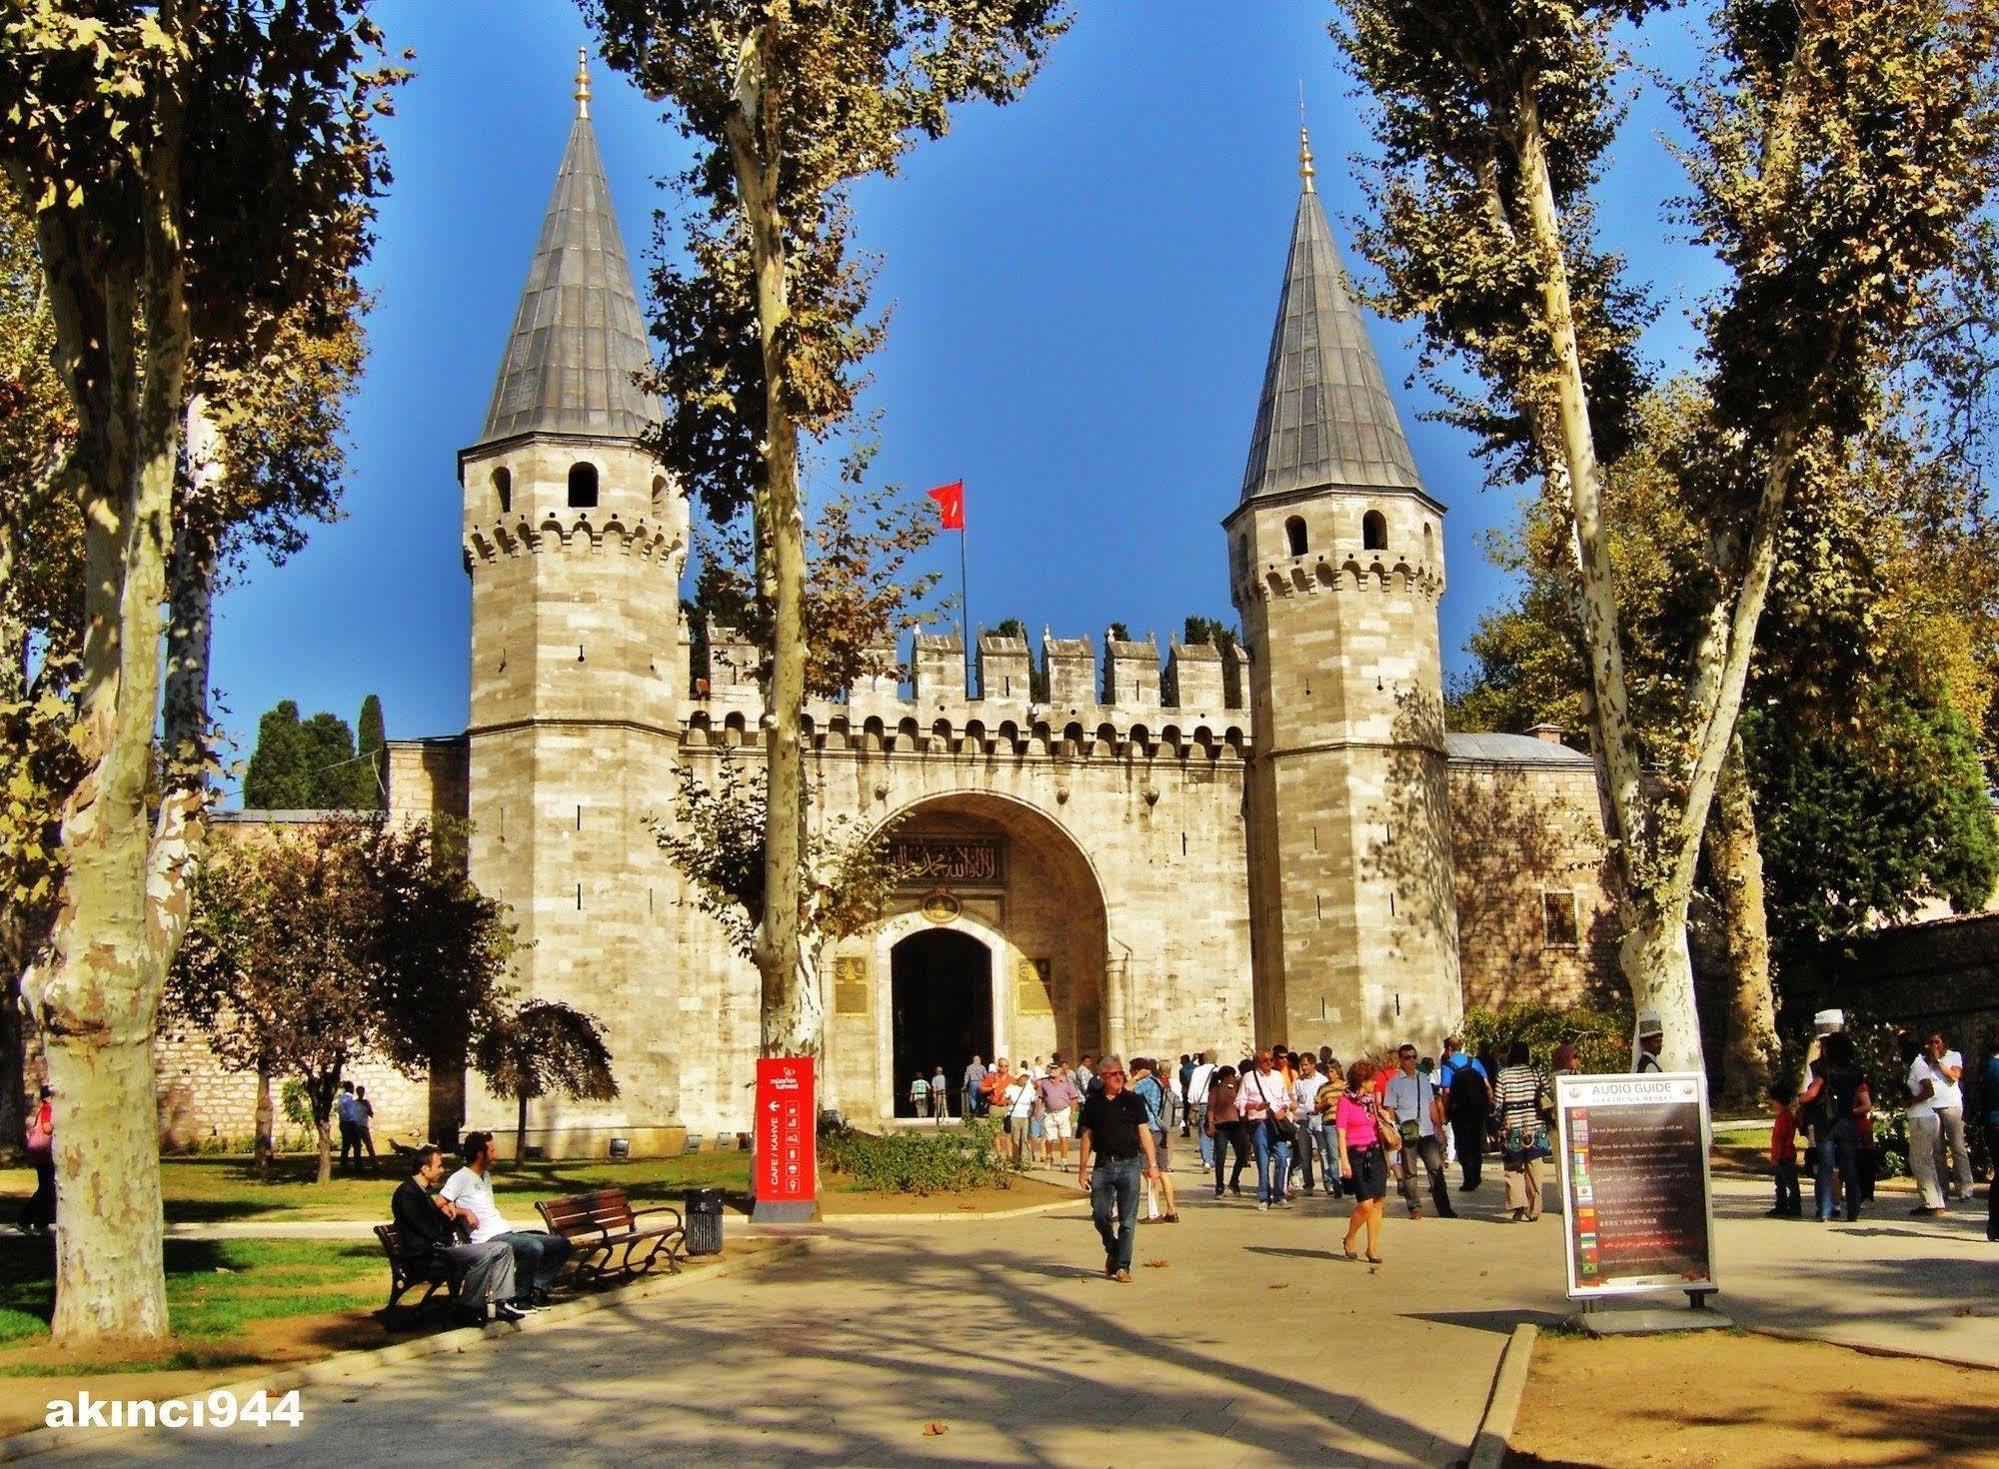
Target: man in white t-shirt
[538,1256]
[1311,1127]
[1921,1081]
[1197,1106]
[1413,1098]
[1947,1067]
[1017,1107]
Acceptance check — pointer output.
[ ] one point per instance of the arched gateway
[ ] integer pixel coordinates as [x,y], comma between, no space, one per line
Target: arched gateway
[995,946]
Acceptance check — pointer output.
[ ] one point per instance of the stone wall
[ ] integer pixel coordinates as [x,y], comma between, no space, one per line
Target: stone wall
[1943,973]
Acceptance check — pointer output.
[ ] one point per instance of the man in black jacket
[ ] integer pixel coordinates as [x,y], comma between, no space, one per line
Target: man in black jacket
[427,1226]
[1116,1132]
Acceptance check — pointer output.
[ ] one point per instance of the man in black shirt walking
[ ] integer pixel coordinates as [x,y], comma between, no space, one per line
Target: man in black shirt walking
[1114,1128]
[428,1226]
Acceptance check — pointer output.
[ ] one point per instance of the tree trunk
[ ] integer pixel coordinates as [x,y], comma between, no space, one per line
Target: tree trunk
[446,1098]
[324,1125]
[1735,864]
[266,1121]
[788,1028]
[190,619]
[1653,957]
[521,1132]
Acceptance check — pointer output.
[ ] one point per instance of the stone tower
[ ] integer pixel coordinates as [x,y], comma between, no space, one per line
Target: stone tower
[1336,566]
[574,541]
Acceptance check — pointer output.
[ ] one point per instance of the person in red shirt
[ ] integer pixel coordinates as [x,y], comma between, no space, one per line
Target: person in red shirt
[1784,1152]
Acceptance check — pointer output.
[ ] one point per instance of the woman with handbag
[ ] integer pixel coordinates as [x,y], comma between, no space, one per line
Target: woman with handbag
[1522,1129]
[40,1213]
[1224,1127]
[1361,1135]
[1265,1099]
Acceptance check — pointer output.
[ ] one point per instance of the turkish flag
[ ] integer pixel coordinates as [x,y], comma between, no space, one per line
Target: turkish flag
[951,504]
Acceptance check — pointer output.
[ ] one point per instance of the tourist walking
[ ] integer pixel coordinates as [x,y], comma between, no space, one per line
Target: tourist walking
[1058,1097]
[1784,1152]
[1651,1041]
[1198,1082]
[992,1091]
[350,1133]
[364,1125]
[1468,1105]
[1363,1155]
[940,1094]
[919,1096]
[1947,1066]
[1326,1107]
[39,1213]
[1019,1103]
[1265,1100]
[1225,1127]
[1921,1084]
[1988,1105]
[975,1077]
[1186,1076]
[1311,1127]
[1151,1089]
[1114,1152]
[1417,1112]
[1523,1131]
[1831,1103]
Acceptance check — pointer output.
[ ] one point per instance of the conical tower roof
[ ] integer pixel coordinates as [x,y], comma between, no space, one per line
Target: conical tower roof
[1325,419]
[578,338]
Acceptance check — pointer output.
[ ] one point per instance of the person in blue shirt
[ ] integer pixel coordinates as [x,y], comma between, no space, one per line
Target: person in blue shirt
[1467,1090]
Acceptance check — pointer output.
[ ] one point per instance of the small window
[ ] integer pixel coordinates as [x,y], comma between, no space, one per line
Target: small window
[1374,531]
[1559,927]
[1294,533]
[503,488]
[582,487]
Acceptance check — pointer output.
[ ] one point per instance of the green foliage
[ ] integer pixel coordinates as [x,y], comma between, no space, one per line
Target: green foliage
[370,741]
[1866,823]
[1601,1035]
[913,1161]
[545,1048]
[311,764]
[293,1104]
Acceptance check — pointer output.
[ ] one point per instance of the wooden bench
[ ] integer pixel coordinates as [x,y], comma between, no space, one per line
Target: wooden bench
[607,1233]
[434,1273]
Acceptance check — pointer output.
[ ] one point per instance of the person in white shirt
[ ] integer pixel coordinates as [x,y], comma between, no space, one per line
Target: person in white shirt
[1947,1071]
[1265,1099]
[1412,1098]
[1311,1127]
[1197,1104]
[1921,1111]
[1017,1104]
[538,1256]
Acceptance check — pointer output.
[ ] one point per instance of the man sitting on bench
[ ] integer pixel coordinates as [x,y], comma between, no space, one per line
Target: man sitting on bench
[538,1257]
[427,1226]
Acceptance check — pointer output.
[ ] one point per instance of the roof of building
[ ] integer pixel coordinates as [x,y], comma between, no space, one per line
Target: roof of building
[1511,749]
[1325,419]
[578,338]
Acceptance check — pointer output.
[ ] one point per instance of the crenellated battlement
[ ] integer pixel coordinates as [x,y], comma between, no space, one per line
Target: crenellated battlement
[1312,575]
[933,709]
[520,535]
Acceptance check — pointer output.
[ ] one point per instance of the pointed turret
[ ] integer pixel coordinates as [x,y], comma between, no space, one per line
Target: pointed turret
[578,338]
[1325,419]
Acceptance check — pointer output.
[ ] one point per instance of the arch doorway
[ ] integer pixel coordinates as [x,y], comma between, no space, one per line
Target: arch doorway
[941,985]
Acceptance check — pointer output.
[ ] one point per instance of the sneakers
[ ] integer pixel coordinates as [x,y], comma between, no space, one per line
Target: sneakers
[1123,1277]
[1262,1207]
[508,1311]
[1284,1203]
[1110,1267]
[1415,1213]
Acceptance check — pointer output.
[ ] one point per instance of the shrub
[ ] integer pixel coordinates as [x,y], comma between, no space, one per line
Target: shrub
[949,1160]
[1601,1035]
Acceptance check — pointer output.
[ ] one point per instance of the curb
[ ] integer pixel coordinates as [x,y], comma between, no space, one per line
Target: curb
[1509,1384]
[1872,1349]
[366,1361]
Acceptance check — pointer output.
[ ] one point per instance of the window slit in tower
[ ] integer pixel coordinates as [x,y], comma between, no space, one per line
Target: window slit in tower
[1319,905]
[1183,844]
[579,897]
[579,818]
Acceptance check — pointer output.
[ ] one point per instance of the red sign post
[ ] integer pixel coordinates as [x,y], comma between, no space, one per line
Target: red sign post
[787,1171]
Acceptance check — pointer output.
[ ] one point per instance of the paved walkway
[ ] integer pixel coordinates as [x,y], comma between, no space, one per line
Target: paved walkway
[1250,1341]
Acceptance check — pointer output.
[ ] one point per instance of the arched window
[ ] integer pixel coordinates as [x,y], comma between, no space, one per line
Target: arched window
[1294,532]
[1374,531]
[503,488]
[582,487]
[659,494]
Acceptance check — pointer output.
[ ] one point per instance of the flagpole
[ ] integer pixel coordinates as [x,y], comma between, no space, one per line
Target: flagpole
[964,601]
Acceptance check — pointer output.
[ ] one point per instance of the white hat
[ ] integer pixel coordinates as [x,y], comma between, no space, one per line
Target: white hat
[1828,1021]
[1649,1024]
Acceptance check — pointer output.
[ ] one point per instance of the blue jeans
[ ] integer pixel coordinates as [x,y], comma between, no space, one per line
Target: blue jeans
[1273,1163]
[1838,1148]
[1200,1118]
[1114,1183]
[538,1257]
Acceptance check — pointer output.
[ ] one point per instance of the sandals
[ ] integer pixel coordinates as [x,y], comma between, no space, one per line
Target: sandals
[1372,1258]
[1346,1248]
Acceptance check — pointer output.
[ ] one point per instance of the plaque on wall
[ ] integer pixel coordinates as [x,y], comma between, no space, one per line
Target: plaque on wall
[850,985]
[1036,995]
[942,907]
[931,862]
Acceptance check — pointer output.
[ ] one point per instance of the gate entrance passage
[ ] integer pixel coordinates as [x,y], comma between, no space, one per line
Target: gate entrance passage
[942,998]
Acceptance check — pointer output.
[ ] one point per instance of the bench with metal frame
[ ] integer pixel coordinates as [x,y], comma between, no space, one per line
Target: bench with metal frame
[434,1272]
[609,1236]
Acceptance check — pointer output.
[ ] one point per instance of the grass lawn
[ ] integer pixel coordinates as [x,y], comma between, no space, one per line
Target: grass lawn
[226,1189]
[217,1292]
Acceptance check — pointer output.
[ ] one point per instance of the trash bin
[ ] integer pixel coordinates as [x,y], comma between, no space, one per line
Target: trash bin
[704,1221]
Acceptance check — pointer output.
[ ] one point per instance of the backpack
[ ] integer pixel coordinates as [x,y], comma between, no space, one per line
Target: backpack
[1470,1101]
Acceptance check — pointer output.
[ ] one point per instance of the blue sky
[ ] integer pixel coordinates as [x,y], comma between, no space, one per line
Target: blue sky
[1083,288]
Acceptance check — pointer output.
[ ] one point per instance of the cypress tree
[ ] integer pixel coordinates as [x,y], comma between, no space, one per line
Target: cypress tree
[371,779]
[274,781]
[327,745]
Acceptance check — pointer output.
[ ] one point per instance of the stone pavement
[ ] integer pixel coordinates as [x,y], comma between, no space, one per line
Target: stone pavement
[1252,1342]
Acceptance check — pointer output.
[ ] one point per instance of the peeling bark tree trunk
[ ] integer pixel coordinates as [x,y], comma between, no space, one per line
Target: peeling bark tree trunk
[266,1121]
[323,1125]
[788,1027]
[1735,864]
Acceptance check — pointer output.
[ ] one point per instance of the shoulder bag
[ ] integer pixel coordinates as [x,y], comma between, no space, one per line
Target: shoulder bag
[1281,1128]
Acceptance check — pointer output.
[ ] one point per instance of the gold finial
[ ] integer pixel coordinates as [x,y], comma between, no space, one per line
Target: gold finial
[582,81]
[1305,169]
